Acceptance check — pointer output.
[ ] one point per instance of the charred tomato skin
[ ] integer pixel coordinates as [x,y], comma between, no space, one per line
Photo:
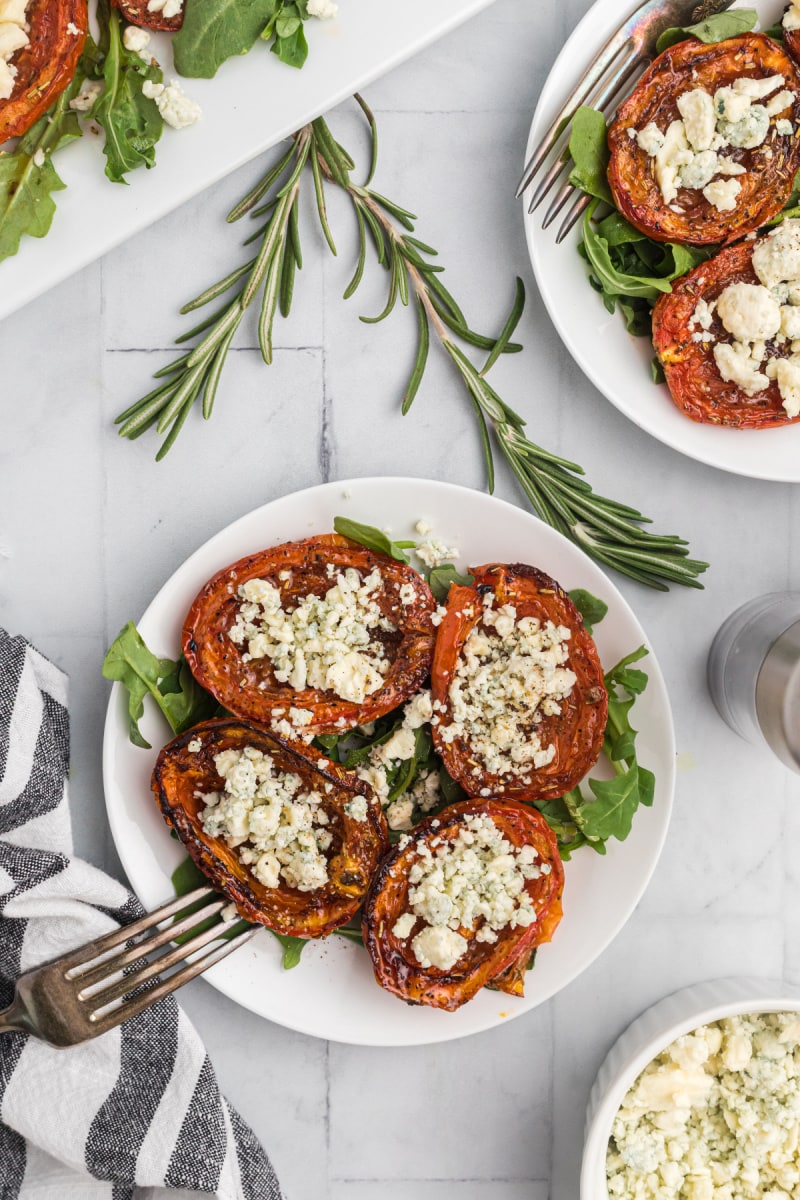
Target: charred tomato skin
[691,372]
[767,183]
[791,40]
[577,732]
[358,846]
[250,690]
[46,65]
[393,961]
[136,12]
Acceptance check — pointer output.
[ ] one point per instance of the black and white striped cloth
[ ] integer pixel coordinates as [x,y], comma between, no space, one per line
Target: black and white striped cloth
[138,1110]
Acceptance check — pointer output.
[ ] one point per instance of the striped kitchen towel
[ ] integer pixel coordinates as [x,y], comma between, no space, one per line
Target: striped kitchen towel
[138,1110]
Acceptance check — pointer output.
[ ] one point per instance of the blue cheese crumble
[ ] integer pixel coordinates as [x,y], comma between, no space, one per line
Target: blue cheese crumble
[14,29]
[715,1116]
[327,642]
[279,830]
[424,794]
[177,109]
[763,320]
[510,675]
[691,152]
[433,552]
[473,884]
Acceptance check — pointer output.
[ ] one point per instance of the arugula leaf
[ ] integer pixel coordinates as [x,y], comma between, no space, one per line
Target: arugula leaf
[588,146]
[559,817]
[293,947]
[611,813]
[215,30]
[577,819]
[351,933]
[712,29]
[626,275]
[441,578]
[187,876]
[591,608]
[291,48]
[372,538]
[181,699]
[131,120]
[184,702]
[452,791]
[28,178]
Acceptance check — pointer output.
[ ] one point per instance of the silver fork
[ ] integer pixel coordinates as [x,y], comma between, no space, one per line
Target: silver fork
[101,984]
[626,54]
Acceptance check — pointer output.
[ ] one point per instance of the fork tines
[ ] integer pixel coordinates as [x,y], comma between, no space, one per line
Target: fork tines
[609,73]
[116,977]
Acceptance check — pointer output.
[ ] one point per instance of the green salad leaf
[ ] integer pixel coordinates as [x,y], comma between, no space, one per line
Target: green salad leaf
[627,268]
[216,30]
[578,819]
[186,877]
[131,120]
[443,576]
[591,608]
[372,538]
[637,267]
[712,29]
[290,43]
[775,32]
[171,684]
[588,146]
[630,270]
[28,178]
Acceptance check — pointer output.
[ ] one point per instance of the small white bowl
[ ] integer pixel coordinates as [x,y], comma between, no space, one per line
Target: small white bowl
[651,1033]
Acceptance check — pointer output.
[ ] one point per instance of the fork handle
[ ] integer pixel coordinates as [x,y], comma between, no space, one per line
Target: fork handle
[15,1019]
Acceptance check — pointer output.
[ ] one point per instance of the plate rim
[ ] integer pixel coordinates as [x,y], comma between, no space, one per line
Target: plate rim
[567,332]
[215,976]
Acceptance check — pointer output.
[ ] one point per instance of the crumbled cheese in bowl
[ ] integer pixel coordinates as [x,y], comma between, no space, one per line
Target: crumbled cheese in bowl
[715,1116]
[328,642]
[279,830]
[473,884]
[510,675]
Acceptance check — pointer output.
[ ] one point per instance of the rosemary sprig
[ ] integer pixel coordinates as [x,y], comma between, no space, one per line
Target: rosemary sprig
[556,489]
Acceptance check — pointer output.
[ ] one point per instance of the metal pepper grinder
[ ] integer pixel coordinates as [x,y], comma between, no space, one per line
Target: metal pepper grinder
[754,674]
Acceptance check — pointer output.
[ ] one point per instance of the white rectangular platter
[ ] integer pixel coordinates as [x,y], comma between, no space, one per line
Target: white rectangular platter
[250,105]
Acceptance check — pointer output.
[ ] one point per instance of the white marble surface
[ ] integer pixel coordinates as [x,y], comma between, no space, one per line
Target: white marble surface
[90,526]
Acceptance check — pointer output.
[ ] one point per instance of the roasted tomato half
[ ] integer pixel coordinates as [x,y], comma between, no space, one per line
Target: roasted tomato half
[138,13]
[396,952]
[689,365]
[186,772]
[46,64]
[248,687]
[503,729]
[769,167]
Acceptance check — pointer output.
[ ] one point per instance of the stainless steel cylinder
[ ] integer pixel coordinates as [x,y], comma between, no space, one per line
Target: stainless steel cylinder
[754,674]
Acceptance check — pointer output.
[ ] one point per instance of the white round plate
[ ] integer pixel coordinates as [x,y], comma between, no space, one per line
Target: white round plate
[617,363]
[332,993]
